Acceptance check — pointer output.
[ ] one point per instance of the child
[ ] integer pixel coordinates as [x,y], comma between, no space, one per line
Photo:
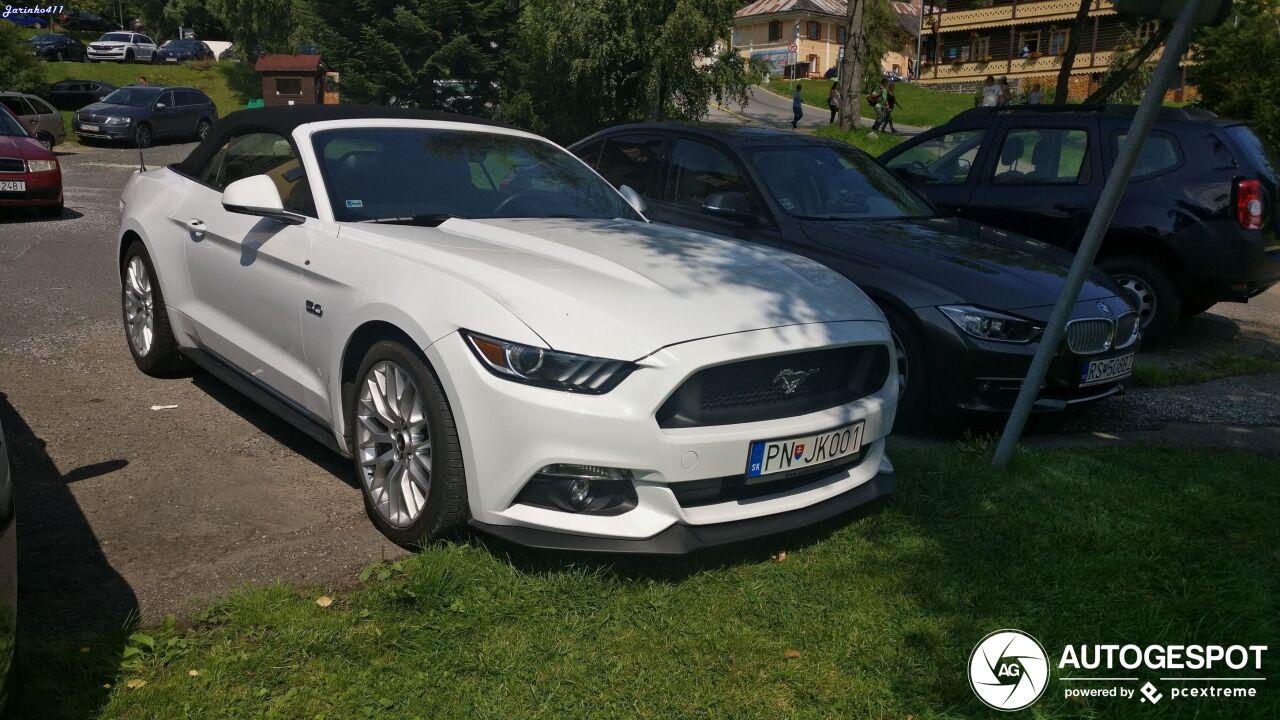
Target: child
[797,107]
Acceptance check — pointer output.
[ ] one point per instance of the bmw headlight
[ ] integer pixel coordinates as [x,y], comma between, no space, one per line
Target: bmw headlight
[991,324]
[533,365]
[113,120]
[36,166]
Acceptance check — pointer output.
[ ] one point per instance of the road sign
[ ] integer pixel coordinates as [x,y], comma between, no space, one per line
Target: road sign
[793,47]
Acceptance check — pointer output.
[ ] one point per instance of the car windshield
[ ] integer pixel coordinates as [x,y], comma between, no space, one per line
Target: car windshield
[424,176]
[45,38]
[828,182]
[9,126]
[116,37]
[133,97]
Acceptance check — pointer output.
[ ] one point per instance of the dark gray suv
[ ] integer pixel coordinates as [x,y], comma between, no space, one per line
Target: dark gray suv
[142,114]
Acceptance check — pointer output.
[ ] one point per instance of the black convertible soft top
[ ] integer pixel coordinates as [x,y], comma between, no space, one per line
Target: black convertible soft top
[283,120]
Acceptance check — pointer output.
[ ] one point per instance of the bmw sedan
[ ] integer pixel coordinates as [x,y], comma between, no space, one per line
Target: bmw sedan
[495,336]
[175,51]
[966,302]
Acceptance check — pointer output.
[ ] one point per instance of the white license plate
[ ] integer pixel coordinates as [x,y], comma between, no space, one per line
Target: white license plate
[1100,371]
[89,128]
[13,186]
[173,60]
[767,457]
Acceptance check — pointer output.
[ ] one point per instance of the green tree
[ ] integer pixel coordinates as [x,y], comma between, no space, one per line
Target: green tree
[18,67]
[1235,68]
[411,53]
[253,24]
[1125,80]
[575,67]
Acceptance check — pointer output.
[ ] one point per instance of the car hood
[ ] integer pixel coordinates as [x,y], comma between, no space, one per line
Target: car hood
[24,147]
[975,264]
[623,289]
[104,108]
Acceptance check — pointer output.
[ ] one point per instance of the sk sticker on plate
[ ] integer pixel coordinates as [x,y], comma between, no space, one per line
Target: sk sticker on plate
[355,203]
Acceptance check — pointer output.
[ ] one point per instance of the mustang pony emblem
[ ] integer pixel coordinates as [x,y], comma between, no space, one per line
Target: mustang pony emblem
[791,379]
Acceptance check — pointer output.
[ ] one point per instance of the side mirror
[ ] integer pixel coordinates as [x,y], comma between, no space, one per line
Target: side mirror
[160,106]
[633,198]
[963,165]
[732,205]
[258,195]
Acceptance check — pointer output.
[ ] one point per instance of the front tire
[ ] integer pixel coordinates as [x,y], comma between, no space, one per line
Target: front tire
[57,56]
[407,457]
[128,56]
[913,375]
[146,318]
[1152,289]
[142,136]
[202,129]
[46,140]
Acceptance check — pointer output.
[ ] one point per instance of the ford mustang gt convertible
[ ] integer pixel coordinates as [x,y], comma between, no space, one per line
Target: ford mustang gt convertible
[497,337]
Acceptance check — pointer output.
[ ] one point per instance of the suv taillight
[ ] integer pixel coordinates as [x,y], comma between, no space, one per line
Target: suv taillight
[1249,204]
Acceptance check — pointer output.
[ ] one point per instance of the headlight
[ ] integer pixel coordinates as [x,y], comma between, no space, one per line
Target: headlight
[547,368]
[42,165]
[991,325]
[117,121]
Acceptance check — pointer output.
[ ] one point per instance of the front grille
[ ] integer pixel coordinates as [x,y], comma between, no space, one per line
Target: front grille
[91,118]
[1127,328]
[12,165]
[1086,337]
[696,493]
[776,386]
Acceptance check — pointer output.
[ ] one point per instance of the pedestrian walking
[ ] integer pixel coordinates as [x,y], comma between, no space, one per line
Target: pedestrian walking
[1006,93]
[891,104]
[797,107]
[833,102]
[1035,96]
[877,101]
[988,95]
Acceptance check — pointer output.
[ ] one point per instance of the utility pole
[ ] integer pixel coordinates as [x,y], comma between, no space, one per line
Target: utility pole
[919,43]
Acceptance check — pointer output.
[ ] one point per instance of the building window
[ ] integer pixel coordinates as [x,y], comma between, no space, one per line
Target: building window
[1058,41]
[1029,42]
[841,34]
[289,86]
[775,30]
[814,30]
[980,47]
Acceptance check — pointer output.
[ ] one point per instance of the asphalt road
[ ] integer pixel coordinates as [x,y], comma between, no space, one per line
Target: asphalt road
[129,509]
[766,109]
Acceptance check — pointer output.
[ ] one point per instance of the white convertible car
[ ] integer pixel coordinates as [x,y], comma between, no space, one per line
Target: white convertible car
[496,336]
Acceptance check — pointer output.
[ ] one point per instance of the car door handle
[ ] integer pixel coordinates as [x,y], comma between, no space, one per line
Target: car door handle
[196,226]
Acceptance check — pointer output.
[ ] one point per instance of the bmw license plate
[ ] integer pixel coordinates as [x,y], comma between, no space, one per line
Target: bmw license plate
[768,457]
[1096,372]
[90,128]
[13,186]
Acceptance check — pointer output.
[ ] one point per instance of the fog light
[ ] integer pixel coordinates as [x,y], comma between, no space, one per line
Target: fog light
[589,489]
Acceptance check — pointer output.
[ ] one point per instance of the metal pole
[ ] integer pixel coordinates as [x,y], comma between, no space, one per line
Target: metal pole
[919,41]
[1112,191]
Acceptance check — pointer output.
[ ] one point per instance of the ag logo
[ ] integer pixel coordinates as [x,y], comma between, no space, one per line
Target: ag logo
[1008,670]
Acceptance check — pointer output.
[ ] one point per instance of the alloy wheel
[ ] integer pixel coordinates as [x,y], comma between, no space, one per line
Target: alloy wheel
[57,56]
[394,443]
[202,130]
[143,136]
[1143,296]
[139,306]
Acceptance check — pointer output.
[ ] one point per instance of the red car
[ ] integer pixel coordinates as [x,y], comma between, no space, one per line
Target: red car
[29,174]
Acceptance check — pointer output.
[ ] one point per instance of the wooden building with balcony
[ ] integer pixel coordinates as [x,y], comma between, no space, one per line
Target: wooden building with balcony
[967,40]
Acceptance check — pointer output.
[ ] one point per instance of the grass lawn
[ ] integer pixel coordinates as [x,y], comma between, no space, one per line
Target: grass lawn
[861,138]
[1211,368]
[869,618]
[917,106]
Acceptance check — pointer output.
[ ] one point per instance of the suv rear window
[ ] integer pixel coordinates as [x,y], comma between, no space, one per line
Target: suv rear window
[1254,151]
[1042,156]
[1160,153]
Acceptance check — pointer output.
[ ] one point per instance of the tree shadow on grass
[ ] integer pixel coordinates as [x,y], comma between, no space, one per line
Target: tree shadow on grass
[75,611]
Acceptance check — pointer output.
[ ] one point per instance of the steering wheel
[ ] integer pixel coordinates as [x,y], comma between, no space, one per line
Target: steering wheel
[497,210]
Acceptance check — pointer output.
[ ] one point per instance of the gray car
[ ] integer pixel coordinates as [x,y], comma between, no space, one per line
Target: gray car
[38,116]
[142,114]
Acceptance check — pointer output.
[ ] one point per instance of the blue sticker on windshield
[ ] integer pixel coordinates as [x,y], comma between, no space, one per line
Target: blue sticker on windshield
[355,203]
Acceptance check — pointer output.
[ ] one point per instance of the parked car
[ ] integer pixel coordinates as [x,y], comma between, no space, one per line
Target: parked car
[84,20]
[8,573]
[74,94]
[36,22]
[966,303]
[29,173]
[1196,226]
[236,53]
[38,116]
[184,50]
[123,47]
[57,47]
[497,337]
[142,114]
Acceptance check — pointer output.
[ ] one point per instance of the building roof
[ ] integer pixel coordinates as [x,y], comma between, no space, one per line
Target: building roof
[288,63]
[284,119]
[908,15]
[837,8]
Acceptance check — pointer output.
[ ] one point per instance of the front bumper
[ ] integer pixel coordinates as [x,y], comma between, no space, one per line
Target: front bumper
[509,431]
[42,189]
[104,131]
[973,375]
